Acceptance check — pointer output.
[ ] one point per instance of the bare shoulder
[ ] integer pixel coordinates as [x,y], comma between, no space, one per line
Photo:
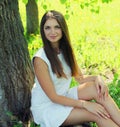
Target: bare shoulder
[39,63]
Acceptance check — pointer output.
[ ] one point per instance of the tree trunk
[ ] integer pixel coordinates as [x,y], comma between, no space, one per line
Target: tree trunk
[16,75]
[32,17]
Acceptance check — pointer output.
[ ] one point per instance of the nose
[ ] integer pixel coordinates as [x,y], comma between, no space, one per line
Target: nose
[53,31]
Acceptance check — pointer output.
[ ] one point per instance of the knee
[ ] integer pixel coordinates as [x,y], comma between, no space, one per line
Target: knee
[87,91]
[94,93]
[93,90]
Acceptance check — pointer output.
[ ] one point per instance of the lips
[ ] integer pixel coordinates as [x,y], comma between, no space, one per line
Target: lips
[53,37]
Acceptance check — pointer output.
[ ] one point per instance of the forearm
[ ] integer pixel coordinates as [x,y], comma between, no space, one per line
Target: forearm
[59,99]
[85,79]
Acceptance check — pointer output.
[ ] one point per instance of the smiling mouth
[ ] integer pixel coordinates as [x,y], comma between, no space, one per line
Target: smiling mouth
[52,37]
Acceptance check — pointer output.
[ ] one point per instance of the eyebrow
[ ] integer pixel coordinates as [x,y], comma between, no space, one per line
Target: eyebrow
[50,26]
[57,25]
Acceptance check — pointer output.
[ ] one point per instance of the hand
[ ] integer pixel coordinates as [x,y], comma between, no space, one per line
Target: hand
[96,108]
[101,88]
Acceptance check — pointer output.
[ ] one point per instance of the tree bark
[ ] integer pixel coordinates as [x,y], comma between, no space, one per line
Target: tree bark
[32,17]
[16,75]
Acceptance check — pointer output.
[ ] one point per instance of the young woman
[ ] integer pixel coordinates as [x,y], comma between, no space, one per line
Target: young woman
[53,102]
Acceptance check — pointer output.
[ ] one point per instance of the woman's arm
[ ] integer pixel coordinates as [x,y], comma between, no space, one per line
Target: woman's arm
[101,88]
[42,73]
[83,78]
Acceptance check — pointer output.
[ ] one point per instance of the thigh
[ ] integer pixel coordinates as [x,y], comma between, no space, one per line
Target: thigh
[72,93]
[78,116]
[87,91]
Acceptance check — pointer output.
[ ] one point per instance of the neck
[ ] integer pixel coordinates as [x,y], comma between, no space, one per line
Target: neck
[57,50]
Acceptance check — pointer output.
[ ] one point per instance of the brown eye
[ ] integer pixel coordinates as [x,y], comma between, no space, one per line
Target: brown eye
[47,27]
[58,27]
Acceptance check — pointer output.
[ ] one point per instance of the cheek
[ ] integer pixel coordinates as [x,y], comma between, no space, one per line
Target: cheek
[46,33]
[61,33]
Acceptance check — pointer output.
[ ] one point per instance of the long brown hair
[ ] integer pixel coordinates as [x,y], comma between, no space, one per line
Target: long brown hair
[64,45]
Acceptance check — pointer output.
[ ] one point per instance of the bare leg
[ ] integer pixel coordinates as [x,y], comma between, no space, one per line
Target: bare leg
[112,108]
[88,91]
[78,116]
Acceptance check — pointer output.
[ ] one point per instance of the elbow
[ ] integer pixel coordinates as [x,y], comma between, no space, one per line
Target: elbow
[54,98]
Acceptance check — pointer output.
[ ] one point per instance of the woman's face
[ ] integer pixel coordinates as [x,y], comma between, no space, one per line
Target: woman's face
[52,31]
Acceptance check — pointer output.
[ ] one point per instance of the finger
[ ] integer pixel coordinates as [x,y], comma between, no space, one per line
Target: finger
[103,114]
[97,87]
[103,89]
[106,113]
[100,92]
[106,93]
[103,97]
[97,114]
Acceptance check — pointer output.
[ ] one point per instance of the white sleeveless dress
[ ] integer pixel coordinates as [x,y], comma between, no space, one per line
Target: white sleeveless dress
[45,112]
